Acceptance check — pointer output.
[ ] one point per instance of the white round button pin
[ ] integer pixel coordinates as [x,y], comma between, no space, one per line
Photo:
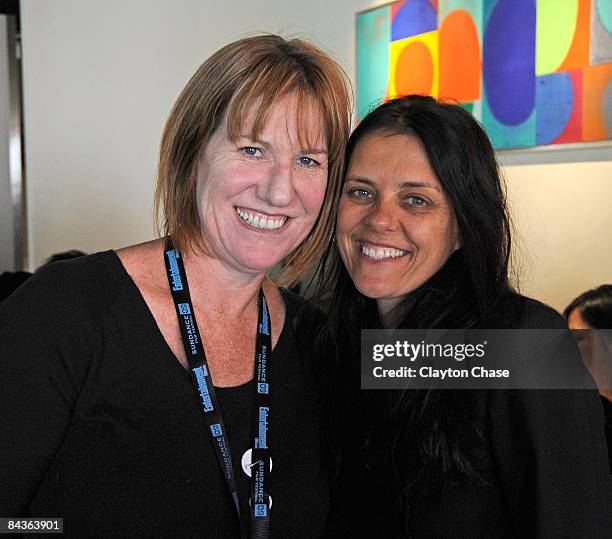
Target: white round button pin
[246,462]
[269,502]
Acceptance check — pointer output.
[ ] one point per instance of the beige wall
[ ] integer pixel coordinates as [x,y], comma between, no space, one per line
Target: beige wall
[563,218]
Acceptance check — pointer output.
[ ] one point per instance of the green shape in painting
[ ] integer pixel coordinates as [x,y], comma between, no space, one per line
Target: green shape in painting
[373,37]
[555,28]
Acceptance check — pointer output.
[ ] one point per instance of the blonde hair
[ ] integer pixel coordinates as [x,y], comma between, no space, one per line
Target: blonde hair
[263,67]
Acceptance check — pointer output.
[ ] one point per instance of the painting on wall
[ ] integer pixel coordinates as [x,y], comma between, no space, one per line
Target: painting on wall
[533,72]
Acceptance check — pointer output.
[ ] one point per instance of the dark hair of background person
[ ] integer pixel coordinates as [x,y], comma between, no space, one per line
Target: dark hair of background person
[65,255]
[11,281]
[595,307]
[462,294]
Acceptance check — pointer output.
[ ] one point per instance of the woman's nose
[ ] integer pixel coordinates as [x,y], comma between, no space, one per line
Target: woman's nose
[277,189]
[382,216]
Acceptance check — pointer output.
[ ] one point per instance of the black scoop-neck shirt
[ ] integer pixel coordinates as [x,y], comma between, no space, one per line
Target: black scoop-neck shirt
[101,426]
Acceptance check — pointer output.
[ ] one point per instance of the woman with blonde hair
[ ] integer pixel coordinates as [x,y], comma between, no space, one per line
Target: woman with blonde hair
[165,387]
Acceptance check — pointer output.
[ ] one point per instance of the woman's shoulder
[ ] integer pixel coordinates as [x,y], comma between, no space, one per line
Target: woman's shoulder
[516,311]
[67,282]
[60,309]
[144,264]
[142,255]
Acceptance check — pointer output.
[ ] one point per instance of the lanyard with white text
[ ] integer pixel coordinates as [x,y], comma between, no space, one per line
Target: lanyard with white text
[203,384]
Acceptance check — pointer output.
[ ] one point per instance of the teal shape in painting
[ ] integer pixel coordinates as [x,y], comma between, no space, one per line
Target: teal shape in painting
[604,8]
[373,37]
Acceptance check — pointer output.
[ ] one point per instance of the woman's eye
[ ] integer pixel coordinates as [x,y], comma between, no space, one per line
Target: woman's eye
[416,201]
[251,151]
[308,162]
[360,193]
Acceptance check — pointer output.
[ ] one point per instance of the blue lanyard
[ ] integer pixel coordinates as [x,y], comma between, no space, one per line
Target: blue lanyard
[203,385]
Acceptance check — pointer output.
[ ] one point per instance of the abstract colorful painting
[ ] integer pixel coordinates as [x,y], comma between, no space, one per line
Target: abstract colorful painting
[534,72]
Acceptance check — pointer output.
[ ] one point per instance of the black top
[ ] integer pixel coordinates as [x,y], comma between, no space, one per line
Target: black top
[101,426]
[540,458]
[10,281]
[607,406]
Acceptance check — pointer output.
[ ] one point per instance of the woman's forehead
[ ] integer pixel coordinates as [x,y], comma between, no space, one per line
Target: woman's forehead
[298,117]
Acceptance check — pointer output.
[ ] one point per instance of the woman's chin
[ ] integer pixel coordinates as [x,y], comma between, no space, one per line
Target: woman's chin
[374,290]
[258,261]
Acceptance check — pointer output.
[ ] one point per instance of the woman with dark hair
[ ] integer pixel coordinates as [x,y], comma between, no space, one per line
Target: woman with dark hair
[594,307]
[590,317]
[423,241]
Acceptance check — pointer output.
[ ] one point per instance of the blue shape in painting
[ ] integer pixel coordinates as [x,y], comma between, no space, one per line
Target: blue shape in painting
[554,104]
[413,18]
[509,60]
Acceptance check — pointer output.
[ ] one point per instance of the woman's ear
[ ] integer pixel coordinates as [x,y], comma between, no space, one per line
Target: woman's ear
[458,241]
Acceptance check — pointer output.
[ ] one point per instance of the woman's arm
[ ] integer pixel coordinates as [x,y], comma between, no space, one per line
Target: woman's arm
[43,353]
[549,450]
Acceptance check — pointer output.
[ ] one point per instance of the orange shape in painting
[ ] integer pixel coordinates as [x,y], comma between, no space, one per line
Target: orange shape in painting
[595,81]
[578,54]
[413,65]
[459,72]
[414,71]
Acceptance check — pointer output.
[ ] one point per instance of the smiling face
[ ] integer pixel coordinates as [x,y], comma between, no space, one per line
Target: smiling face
[396,227]
[259,199]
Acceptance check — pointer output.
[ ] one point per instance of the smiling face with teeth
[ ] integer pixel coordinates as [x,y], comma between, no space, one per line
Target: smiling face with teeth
[396,227]
[259,199]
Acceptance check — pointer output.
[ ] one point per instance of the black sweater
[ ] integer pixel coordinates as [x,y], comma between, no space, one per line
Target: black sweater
[541,462]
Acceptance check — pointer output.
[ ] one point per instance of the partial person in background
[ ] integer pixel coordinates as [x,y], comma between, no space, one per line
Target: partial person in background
[64,255]
[589,312]
[423,241]
[121,416]
[11,280]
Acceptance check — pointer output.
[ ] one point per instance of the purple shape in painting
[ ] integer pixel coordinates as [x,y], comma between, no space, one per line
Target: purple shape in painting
[413,18]
[509,60]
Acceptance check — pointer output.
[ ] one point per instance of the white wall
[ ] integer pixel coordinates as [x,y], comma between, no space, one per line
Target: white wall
[563,216]
[101,76]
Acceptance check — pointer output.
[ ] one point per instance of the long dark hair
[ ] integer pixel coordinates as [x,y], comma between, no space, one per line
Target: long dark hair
[464,293]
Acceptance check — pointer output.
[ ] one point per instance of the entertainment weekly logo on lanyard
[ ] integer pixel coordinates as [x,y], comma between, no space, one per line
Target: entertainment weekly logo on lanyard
[260,501]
